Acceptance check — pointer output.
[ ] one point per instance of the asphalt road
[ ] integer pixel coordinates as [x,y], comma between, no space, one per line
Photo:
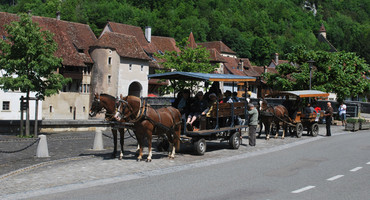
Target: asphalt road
[332,168]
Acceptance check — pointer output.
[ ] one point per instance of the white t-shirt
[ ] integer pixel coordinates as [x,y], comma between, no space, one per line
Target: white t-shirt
[342,109]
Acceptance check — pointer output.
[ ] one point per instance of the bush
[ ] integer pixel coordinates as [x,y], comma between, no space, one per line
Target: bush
[352,120]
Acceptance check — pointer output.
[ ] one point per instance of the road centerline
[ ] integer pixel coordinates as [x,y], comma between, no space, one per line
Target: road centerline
[303,189]
[334,177]
[355,169]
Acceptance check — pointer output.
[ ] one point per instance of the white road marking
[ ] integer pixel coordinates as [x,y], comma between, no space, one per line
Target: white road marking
[334,177]
[355,169]
[303,189]
[368,163]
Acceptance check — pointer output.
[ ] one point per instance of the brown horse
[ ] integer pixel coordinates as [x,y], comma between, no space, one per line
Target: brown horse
[271,116]
[108,102]
[149,121]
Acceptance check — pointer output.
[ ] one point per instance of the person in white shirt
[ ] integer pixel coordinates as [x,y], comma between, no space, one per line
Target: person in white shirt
[342,113]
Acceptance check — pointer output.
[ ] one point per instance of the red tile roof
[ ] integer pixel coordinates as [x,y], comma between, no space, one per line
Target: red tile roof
[125,45]
[215,56]
[218,45]
[133,31]
[191,40]
[231,66]
[73,39]
[165,44]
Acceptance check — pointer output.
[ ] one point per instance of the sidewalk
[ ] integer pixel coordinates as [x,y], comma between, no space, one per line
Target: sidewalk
[72,164]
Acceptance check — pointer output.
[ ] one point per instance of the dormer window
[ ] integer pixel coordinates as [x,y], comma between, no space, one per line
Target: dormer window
[79,50]
[160,52]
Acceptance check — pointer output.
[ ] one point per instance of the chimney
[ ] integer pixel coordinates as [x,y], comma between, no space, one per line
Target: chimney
[241,64]
[58,15]
[276,58]
[148,33]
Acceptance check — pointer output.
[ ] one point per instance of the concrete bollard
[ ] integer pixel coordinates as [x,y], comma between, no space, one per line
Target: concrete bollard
[98,140]
[42,148]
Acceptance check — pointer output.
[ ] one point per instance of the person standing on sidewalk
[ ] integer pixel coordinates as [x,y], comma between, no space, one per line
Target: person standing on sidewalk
[342,113]
[252,123]
[328,117]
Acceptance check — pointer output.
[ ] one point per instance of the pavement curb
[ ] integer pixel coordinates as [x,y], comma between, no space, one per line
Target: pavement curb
[16,172]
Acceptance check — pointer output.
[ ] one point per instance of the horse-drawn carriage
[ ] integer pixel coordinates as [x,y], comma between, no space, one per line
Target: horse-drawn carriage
[220,124]
[295,119]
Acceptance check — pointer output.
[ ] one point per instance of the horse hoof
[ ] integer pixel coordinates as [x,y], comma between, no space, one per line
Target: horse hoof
[148,160]
[120,158]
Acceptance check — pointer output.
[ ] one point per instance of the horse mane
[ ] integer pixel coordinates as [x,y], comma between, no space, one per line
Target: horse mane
[108,95]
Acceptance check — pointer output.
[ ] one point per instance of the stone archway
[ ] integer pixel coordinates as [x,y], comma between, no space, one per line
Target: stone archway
[135,89]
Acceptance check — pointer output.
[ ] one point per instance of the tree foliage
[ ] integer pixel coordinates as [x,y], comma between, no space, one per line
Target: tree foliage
[27,59]
[252,28]
[187,60]
[342,73]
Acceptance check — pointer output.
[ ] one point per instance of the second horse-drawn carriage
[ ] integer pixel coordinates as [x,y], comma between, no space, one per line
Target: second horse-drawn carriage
[291,114]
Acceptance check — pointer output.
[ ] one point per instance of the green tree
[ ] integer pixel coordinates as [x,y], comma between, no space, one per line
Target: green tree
[187,60]
[343,73]
[28,61]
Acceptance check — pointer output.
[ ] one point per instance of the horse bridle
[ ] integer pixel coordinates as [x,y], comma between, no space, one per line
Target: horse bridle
[121,110]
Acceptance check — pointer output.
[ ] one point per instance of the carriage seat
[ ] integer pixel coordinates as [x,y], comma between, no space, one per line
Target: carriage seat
[224,112]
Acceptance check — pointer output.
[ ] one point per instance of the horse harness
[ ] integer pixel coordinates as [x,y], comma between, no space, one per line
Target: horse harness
[142,116]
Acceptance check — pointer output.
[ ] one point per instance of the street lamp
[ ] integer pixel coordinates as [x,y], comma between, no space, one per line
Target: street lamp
[310,64]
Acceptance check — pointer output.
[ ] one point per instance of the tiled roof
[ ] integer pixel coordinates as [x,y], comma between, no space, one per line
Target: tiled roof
[125,45]
[230,66]
[165,44]
[280,62]
[322,28]
[192,43]
[73,39]
[215,56]
[218,45]
[133,31]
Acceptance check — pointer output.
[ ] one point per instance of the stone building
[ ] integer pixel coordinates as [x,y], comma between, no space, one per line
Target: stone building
[74,40]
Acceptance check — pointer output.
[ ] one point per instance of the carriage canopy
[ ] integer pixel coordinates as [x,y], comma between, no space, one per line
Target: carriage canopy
[301,93]
[202,77]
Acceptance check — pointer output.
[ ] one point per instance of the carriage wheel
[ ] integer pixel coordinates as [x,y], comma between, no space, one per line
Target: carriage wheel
[315,129]
[200,146]
[234,140]
[299,129]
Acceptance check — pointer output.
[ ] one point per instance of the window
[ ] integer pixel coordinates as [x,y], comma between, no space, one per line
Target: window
[6,105]
[51,109]
[109,79]
[109,60]
[142,67]
[130,67]
[83,109]
[70,109]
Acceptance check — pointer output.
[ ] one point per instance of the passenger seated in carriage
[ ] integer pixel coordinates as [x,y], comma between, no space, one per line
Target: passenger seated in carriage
[212,100]
[309,109]
[196,108]
[184,103]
